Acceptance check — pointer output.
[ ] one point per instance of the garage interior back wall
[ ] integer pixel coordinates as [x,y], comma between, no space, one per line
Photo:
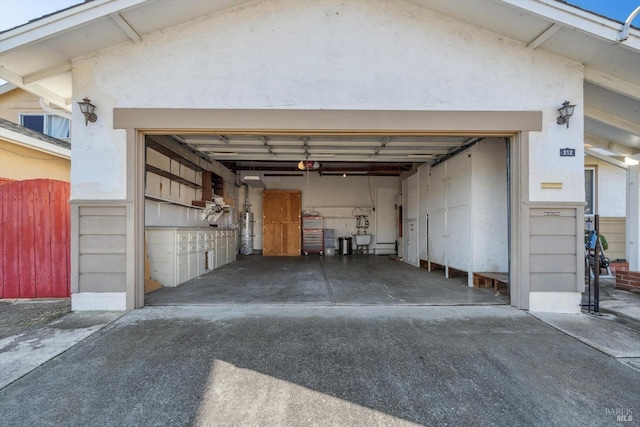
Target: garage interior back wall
[337,199]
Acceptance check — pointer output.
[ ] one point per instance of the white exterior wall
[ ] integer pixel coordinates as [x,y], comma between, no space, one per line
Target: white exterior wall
[325,54]
[335,198]
[611,182]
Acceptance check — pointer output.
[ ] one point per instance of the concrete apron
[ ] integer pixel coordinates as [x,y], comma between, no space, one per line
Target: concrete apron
[302,365]
[36,331]
[600,332]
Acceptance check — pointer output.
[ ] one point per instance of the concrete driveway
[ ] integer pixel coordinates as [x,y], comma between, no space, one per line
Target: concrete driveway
[309,365]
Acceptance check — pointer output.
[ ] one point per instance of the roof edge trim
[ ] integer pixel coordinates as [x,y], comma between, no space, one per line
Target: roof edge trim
[62,21]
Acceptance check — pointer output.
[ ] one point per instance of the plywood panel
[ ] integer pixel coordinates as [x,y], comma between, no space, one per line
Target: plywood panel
[291,207]
[458,180]
[489,206]
[423,188]
[437,195]
[411,210]
[437,242]
[272,207]
[459,241]
[281,210]
[385,215]
[291,239]
[272,239]
[423,237]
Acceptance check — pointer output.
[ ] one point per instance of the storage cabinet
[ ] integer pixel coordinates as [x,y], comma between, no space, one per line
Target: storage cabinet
[221,248]
[466,208]
[281,210]
[312,234]
[177,255]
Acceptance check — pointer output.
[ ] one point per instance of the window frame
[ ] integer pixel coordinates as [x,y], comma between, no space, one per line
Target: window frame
[594,190]
[46,117]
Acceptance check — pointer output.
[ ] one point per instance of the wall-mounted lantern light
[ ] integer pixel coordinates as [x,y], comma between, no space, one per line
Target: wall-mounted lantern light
[566,111]
[87,108]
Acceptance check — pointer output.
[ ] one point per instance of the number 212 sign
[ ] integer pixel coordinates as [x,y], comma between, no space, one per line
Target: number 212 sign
[567,152]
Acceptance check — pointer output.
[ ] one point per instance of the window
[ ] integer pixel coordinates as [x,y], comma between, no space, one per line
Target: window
[49,124]
[590,190]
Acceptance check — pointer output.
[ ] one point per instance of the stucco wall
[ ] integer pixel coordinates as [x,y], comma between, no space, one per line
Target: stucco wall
[611,184]
[18,163]
[326,54]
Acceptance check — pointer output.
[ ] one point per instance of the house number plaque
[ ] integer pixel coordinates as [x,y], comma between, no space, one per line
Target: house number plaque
[567,152]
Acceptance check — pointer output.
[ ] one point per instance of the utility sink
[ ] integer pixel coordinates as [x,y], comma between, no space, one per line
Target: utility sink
[363,239]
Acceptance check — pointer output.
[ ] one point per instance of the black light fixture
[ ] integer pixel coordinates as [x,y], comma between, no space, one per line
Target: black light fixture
[566,111]
[87,108]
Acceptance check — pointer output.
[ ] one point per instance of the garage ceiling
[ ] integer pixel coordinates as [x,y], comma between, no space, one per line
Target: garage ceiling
[370,154]
[37,57]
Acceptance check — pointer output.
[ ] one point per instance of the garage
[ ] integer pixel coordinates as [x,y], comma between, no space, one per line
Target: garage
[340,212]
[397,103]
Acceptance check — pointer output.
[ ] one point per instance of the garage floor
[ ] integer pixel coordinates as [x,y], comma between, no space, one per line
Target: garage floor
[323,281]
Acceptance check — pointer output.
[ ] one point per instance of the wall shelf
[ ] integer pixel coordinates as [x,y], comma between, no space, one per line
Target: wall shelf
[171,176]
[172,202]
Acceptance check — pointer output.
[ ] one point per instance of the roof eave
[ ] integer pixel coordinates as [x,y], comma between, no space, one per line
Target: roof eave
[34,144]
[573,17]
[62,21]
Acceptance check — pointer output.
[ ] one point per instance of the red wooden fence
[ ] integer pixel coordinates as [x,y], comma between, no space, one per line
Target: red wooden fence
[34,239]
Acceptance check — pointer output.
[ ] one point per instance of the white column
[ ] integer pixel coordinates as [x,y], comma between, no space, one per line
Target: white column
[633,212]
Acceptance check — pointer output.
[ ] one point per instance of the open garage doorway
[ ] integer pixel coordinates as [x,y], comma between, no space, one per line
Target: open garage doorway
[363,160]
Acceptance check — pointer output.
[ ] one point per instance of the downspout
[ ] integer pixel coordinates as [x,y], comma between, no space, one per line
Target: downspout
[624,34]
[46,107]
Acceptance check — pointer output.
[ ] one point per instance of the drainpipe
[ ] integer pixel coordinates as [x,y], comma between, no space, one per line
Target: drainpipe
[46,107]
[624,34]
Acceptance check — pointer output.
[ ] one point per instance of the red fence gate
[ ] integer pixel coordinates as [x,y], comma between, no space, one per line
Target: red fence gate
[34,239]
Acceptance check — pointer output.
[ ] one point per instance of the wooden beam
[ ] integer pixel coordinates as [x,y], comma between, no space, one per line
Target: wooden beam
[47,73]
[612,120]
[544,36]
[611,83]
[125,27]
